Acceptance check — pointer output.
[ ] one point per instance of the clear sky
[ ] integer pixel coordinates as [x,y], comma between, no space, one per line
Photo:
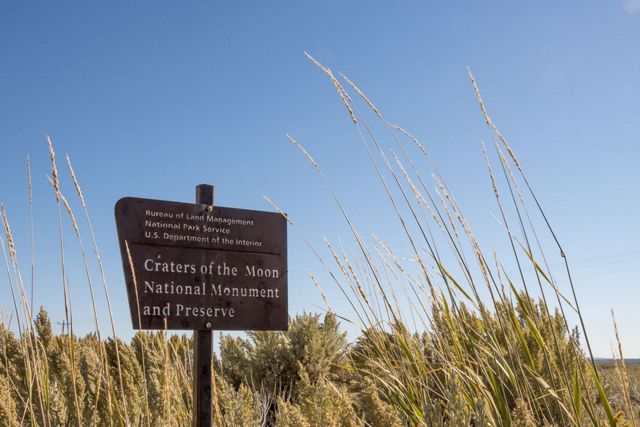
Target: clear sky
[152,98]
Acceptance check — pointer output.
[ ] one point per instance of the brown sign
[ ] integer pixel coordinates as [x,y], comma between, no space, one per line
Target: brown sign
[193,266]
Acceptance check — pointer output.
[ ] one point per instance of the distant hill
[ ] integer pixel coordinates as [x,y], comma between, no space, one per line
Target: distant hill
[609,362]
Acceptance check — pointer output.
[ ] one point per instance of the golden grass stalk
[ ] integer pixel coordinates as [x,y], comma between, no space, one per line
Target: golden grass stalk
[54,169]
[105,286]
[322,294]
[67,297]
[103,357]
[33,246]
[490,122]
[623,374]
[142,346]
[29,347]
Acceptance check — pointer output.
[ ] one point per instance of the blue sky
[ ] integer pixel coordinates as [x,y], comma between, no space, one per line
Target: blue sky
[152,98]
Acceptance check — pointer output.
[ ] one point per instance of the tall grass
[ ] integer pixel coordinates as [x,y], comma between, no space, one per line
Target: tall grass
[453,333]
[487,336]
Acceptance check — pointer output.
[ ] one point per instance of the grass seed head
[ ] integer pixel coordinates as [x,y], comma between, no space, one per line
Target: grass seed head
[29,180]
[493,180]
[362,95]
[75,182]
[280,211]
[54,169]
[411,137]
[490,122]
[67,207]
[346,99]
[304,151]
[7,231]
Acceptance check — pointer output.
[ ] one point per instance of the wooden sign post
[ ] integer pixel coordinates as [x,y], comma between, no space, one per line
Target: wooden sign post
[202,267]
[202,348]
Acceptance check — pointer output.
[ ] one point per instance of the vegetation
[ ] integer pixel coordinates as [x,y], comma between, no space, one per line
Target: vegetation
[307,376]
[450,335]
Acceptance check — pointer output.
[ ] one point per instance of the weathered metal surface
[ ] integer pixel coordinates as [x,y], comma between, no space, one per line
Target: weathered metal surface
[195,266]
